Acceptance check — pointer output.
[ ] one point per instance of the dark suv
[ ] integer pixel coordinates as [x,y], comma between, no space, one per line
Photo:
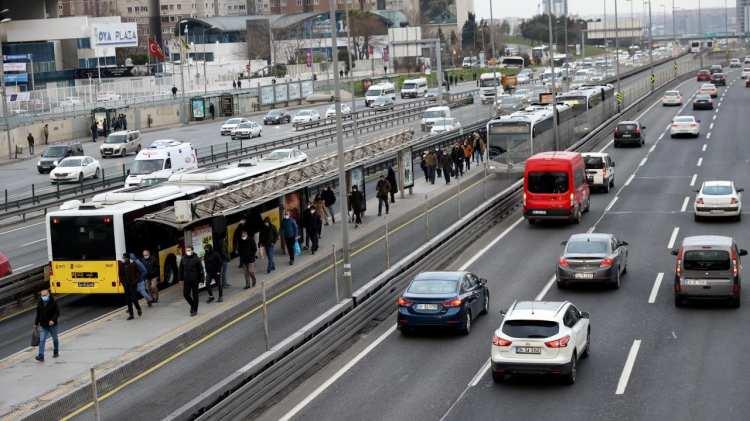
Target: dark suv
[715,68]
[719,79]
[56,153]
[629,133]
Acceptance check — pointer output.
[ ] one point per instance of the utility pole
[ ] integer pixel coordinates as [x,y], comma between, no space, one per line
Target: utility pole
[700,31]
[492,33]
[651,46]
[554,89]
[349,44]
[346,288]
[606,36]
[617,54]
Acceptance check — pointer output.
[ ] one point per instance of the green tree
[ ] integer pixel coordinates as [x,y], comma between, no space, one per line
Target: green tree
[469,35]
[505,28]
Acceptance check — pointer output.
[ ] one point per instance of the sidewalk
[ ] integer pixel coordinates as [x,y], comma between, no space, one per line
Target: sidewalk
[100,343]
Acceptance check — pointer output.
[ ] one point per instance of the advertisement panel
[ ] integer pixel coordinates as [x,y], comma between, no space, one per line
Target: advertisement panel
[14,78]
[280,93]
[266,95]
[407,167]
[201,235]
[294,91]
[14,67]
[115,35]
[199,108]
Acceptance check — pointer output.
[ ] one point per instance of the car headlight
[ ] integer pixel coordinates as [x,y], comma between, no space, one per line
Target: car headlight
[54,163]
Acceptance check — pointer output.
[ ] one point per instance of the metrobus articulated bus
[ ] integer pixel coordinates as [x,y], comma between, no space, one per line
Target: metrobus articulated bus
[85,240]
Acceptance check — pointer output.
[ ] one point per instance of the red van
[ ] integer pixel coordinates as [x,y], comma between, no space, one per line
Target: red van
[555,187]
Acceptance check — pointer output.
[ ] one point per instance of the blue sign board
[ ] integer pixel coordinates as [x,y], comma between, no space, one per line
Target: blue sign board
[12,57]
[16,78]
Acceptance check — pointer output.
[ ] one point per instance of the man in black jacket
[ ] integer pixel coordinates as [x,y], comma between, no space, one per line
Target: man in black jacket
[47,313]
[213,263]
[191,274]
[316,224]
[329,198]
[152,273]
[128,273]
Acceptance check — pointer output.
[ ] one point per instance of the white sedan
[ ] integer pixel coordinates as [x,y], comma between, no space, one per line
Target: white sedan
[305,116]
[685,125]
[290,155]
[746,72]
[671,98]
[718,199]
[75,168]
[346,111]
[709,89]
[247,130]
[231,124]
[445,125]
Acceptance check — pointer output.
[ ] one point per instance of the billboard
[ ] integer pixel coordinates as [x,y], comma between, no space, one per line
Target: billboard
[438,12]
[115,35]
[14,67]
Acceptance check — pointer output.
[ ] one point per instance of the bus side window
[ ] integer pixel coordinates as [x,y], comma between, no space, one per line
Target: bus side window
[168,164]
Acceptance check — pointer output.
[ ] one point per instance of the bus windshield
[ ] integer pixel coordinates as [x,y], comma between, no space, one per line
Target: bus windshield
[513,62]
[489,83]
[508,137]
[374,92]
[82,238]
[146,166]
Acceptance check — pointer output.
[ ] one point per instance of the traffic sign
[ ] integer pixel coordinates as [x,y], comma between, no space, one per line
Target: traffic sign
[619,96]
[653,78]
[675,66]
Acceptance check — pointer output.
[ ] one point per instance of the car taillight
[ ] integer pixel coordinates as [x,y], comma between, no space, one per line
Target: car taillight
[564,262]
[498,341]
[735,268]
[678,264]
[403,302]
[699,201]
[604,172]
[572,200]
[617,132]
[524,199]
[638,131]
[456,302]
[558,343]
[607,262]
[733,201]
[693,124]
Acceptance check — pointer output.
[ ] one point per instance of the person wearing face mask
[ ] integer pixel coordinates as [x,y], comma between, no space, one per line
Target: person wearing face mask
[316,224]
[152,273]
[242,226]
[47,313]
[191,274]
[268,238]
[248,251]
[290,232]
[213,261]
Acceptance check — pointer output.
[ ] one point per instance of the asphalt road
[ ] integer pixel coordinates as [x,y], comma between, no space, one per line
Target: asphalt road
[690,364]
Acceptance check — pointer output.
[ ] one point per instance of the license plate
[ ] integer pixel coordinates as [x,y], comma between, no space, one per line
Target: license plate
[584,276]
[86,284]
[428,307]
[528,350]
[539,212]
[696,282]
[626,135]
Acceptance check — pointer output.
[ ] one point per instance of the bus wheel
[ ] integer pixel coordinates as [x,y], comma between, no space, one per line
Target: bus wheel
[170,271]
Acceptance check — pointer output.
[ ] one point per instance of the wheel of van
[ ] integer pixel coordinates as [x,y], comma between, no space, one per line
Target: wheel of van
[588,204]
[96,173]
[606,188]
[678,301]
[138,149]
[498,377]
[577,216]
[735,302]
[587,351]
[696,218]
[80,177]
[612,183]
[738,218]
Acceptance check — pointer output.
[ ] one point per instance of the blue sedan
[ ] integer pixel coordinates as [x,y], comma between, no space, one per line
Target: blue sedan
[442,299]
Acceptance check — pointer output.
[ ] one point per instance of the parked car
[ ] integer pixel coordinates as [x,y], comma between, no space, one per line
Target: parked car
[53,154]
[121,143]
[5,268]
[76,168]
[277,117]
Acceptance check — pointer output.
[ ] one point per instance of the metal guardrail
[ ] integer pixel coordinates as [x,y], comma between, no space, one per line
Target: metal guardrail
[18,289]
[214,155]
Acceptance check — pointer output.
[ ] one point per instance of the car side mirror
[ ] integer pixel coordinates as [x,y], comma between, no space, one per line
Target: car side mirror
[613,164]
[585,315]
[698,121]
[643,127]
[740,190]
[482,281]
[128,172]
[564,243]
[699,190]
[624,243]
[675,252]
[743,252]
[501,313]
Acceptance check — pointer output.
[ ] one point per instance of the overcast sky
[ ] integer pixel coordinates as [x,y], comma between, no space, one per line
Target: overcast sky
[527,8]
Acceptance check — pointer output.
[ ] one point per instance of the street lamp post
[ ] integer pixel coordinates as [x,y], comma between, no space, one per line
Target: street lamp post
[349,44]
[492,33]
[2,85]
[700,30]
[617,55]
[554,89]
[651,46]
[346,287]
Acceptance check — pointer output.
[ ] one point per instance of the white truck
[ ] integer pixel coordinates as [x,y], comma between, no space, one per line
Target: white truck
[490,86]
[160,160]
[413,88]
[433,115]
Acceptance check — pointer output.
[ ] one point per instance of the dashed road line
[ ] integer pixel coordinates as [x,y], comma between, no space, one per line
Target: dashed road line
[611,203]
[643,161]
[673,238]
[705,146]
[692,180]
[685,204]
[632,176]
[655,288]
[628,369]
[700,161]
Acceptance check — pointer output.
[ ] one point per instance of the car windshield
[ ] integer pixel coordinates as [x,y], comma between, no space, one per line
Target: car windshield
[587,247]
[116,138]
[234,121]
[432,286]
[304,112]
[593,162]
[409,86]
[706,260]
[54,152]
[68,163]
[548,182]
[530,328]
[702,97]
[626,127]
[683,120]
[248,125]
[276,156]
[434,114]
[707,87]
[273,113]
[717,190]
[672,93]
[146,166]
[373,92]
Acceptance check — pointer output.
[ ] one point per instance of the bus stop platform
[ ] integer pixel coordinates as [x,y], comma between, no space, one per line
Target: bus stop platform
[110,342]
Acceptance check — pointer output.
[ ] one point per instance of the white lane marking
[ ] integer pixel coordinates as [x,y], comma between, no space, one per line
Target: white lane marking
[320,389]
[652,148]
[685,204]
[482,370]
[21,228]
[545,290]
[643,161]
[632,176]
[708,135]
[629,363]
[655,288]
[604,148]
[704,147]
[714,117]
[700,161]
[692,180]
[33,242]
[492,243]
[611,203]
[661,136]
[711,126]
[673,238]
[669,125]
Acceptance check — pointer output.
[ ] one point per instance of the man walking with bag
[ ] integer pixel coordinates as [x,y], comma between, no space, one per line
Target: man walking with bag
[290,232]
[383,190]
[47,313]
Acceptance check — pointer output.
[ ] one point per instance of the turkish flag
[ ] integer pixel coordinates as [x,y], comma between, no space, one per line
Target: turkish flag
[154,50]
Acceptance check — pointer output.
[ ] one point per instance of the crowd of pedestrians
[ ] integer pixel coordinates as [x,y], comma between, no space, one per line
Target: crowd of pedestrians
[451,162]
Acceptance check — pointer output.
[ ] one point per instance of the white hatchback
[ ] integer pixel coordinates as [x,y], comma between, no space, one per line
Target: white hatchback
[718,198]
[305,116]
[75,168]
[537,337]
[671,98]
[709,89]
[685,125]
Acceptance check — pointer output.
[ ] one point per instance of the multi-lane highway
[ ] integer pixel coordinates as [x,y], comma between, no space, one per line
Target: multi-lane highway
[649,360]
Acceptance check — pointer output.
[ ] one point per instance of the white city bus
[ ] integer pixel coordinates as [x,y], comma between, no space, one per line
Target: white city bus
[695,46]
[85,240]
[516,62]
